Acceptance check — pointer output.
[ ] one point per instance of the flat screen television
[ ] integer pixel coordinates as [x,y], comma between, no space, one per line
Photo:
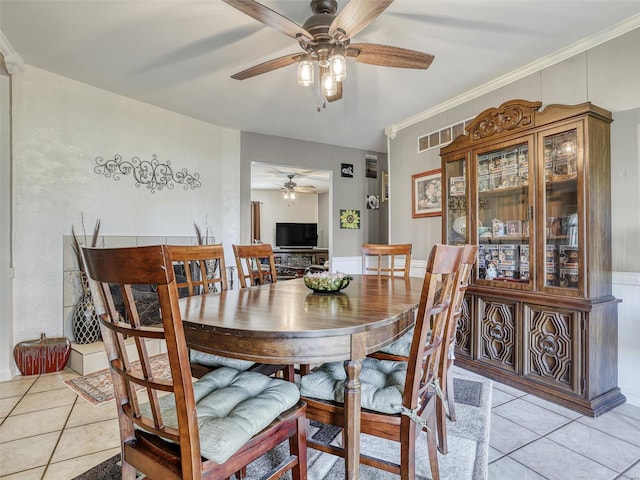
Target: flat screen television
[296,234]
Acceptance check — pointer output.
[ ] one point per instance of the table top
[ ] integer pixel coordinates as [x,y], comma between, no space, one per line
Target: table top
[286,322]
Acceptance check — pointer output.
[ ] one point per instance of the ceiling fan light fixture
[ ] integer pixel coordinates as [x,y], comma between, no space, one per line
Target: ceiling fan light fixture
[323,57]
[305,71]
[338,64]
[329,85]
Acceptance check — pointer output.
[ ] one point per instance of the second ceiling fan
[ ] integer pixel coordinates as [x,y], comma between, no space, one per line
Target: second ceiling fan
[325,38]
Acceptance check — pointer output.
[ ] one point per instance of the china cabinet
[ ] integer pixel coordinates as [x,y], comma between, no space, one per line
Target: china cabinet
[531,188]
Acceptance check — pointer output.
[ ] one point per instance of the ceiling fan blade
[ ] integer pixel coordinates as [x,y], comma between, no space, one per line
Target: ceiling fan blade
[267,66]
[269,17]
[355,16]
[337,96]
[387,56]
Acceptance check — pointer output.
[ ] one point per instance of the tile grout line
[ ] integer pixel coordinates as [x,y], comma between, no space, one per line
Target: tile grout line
[589,458]
[540,435]
[618,474]
[18,402]
[629,468]
[53,452]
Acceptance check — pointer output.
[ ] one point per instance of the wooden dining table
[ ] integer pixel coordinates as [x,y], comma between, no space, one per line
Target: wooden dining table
[286,323]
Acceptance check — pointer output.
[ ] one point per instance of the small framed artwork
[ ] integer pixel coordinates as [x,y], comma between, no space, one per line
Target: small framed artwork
[385,187]
[350,219]
[372,202]
[346,170]
[371,166]
[426,190]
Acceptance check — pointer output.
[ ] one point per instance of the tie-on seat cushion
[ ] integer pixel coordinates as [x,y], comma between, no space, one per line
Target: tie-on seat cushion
[402,346]
[214,361]
[231,407]
[382,383]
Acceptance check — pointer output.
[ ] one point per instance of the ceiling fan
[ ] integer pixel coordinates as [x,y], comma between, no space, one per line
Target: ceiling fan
[290,188]
[325,38]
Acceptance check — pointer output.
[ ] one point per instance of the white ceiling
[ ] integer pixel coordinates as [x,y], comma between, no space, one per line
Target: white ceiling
[273,177]
[179,54]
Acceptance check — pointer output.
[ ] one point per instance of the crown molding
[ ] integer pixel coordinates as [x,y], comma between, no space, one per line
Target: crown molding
[583,45]
[12,59]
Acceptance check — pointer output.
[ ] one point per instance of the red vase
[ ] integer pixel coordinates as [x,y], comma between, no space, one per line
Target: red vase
[45,355]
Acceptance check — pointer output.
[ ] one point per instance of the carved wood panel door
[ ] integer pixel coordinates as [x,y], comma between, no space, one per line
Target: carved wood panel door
[499,333]
[464,330]
[552,345]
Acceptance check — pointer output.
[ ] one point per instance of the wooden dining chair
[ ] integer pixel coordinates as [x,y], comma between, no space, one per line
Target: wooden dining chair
[384,259]
[201,266]
[256,264]
[398,397]
[447,351]
[202,270]
[400,349]
[208,429]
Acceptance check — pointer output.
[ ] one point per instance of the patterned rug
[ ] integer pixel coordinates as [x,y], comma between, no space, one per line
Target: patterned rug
[467,458]
[97,388]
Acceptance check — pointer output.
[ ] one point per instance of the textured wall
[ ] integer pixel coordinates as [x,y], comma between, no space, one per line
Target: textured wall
[60,127]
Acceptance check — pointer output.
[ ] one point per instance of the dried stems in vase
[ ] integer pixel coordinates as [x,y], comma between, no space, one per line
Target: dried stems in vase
[77,244]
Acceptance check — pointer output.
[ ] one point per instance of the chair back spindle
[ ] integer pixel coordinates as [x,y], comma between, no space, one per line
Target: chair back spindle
[256,264]
[384,259]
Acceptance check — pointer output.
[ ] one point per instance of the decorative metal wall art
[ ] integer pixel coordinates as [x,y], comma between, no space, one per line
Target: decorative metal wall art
[153,174]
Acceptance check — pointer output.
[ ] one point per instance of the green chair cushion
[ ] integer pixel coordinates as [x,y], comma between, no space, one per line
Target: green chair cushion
[231,407]
[211,360]
[382,383]
[402,346]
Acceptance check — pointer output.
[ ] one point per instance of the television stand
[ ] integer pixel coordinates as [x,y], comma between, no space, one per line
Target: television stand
[300,256]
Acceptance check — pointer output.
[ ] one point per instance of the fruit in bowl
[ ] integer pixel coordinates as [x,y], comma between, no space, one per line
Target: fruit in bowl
[325,282]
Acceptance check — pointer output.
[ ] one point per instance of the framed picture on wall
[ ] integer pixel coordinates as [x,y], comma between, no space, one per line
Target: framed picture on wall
[426,188]
[371,166]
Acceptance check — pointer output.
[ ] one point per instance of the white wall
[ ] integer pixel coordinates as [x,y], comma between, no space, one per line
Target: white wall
[607,75]
[6,280]
[274,208]
[59,127]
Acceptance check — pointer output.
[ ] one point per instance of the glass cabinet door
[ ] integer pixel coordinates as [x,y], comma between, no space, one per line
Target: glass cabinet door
[504,228]
[561,220]
[456,202]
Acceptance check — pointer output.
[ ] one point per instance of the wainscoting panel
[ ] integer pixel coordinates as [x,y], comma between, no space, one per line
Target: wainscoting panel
[626,287]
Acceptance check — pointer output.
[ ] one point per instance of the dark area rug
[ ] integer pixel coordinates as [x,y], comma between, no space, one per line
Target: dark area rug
[467,458]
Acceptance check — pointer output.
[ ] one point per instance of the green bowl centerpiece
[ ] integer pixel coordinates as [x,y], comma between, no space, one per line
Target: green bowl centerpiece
[325,282]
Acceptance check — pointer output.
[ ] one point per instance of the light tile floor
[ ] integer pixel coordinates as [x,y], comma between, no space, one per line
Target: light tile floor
[49,433]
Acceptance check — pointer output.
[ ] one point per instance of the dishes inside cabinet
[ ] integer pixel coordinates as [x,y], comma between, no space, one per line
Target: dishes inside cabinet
[460,226]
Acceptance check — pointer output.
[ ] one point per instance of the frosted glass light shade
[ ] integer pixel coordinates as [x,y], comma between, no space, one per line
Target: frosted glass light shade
[305,72]
[329,85]
[338,66]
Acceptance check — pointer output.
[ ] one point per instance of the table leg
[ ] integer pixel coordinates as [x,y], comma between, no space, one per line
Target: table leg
[352,393]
